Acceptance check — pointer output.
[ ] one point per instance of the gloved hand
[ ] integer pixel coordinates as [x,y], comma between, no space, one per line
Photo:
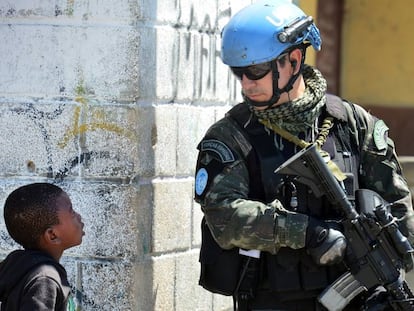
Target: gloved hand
[325,244]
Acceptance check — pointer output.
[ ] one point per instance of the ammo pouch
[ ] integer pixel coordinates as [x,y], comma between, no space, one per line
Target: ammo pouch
[293,274]
[220,268]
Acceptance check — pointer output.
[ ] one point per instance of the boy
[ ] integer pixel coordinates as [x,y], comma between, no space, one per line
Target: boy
[40,218]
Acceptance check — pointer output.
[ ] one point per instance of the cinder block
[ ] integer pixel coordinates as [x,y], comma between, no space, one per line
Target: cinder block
[222,303]
[144,212]
[107,139]
[188,294]
[204,15]
[187,69]
[197,217]
[164,140]
[184,66]
[105,286]
[191,14]
[31,130]
[110,214]
[80,11]
[192,125]
[69,60]
[159,63]
[155,284]
[172,215]
[208,59]
[61,139]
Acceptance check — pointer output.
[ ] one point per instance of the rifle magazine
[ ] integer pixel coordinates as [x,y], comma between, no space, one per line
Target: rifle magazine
[340,293]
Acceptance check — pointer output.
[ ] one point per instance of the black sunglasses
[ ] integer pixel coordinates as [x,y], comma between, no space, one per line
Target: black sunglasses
[255,72]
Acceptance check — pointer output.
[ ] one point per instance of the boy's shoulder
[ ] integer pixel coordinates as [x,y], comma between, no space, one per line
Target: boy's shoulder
[27,264]
[40,270]
[50,269]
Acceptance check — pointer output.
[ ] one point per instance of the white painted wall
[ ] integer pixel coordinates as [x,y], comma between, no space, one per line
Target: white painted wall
[108,99]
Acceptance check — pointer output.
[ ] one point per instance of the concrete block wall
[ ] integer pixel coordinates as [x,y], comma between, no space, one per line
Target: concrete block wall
[108,99]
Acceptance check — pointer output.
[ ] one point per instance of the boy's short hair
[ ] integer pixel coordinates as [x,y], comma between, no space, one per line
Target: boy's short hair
[29,211]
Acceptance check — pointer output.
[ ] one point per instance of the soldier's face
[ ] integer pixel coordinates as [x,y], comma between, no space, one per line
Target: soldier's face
[261,90]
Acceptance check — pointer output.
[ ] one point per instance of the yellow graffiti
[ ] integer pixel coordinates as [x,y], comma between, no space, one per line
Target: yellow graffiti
[98,123]
[70,7]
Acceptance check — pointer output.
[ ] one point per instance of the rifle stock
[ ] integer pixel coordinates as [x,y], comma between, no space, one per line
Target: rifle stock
[378,251]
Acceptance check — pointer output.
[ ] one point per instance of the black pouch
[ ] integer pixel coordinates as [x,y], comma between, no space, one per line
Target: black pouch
[220,268]
[283,270]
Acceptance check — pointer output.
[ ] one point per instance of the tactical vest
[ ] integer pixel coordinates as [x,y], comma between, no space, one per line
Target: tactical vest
[290,274]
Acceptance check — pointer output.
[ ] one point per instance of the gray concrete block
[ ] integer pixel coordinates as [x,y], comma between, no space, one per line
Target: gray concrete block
[69,60]
[155,284]
[62,139]
[164,140]
[171,229]
[80,11]
[104,285]
[31,130]
[188,294]
[196,226]
[192,125]
[110,214]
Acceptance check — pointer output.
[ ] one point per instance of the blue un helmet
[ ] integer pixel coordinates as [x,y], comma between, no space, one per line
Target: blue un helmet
[261,32]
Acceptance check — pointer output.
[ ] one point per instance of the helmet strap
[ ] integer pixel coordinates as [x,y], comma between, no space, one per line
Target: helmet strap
[275,77]
[276,91]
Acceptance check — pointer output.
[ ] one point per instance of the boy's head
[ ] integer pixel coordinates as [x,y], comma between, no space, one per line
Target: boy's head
[40,216]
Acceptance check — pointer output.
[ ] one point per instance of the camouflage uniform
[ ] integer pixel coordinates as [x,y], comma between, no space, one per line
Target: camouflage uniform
[237,221]
[223,183]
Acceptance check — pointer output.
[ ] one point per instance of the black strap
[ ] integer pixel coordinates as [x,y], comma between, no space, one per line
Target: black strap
[249,278]
[359,126]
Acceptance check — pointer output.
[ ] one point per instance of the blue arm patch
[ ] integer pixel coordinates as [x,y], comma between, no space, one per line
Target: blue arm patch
[201,181]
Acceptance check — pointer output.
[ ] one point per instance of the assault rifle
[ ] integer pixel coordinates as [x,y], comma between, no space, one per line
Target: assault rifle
[377,250]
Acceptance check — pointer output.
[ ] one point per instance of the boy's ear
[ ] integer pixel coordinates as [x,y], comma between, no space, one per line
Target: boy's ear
[50,236]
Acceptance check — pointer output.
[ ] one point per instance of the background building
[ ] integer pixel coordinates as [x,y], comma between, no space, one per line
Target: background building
[365,59]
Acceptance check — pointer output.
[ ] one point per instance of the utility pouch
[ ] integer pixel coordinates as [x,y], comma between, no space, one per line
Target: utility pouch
[220,268]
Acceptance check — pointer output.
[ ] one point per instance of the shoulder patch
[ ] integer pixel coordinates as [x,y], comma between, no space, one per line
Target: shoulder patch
[218,147]
[380,135]
[201,181]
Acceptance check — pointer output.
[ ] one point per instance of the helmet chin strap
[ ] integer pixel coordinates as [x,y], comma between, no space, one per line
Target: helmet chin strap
[276,91]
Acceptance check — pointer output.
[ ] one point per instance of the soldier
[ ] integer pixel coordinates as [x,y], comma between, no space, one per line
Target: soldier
[268,240]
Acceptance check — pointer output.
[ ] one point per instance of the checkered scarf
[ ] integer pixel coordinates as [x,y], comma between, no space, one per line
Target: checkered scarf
[298,115]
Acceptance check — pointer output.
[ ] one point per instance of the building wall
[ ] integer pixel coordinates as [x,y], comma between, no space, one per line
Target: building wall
[310,8]
[108,99]
[377,69]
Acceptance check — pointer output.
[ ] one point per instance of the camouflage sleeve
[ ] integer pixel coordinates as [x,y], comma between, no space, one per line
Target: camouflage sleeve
[381,171]
[222,187]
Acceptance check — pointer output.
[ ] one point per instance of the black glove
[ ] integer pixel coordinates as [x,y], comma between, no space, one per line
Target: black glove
[325,244]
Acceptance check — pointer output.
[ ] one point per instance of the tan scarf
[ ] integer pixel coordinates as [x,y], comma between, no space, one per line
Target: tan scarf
[298,115]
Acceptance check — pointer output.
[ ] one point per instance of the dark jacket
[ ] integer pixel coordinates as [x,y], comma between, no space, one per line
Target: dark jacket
[236,187]
[33,280]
